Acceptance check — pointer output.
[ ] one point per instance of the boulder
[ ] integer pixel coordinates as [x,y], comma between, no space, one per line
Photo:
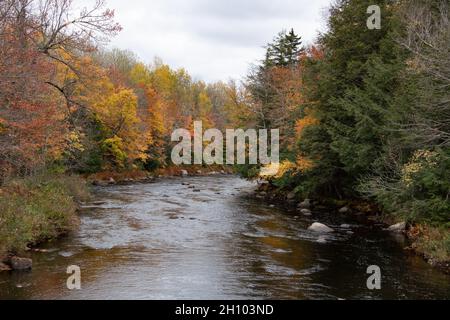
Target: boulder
[199,171]
[306,212]
[291,196]
[320,228]
[345,226]
[21,263]
[111,181]
[397,228]
[305,204]
[344,210]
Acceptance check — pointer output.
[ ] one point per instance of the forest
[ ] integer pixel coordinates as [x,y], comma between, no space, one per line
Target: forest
[364,115]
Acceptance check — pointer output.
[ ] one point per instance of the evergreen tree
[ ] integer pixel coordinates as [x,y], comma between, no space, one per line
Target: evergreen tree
[285,50]
[358,77]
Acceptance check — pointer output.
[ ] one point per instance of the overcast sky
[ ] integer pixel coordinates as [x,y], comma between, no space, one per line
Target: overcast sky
[213,39]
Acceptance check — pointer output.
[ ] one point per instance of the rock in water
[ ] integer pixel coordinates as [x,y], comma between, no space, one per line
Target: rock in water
[322,240]
[397,228]
[344,210]
[184,173]
[21,263]
[305,204]
[306,212]
[291,196]
[320,228]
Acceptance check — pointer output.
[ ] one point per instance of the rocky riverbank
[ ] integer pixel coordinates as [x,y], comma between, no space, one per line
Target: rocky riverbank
[422,239]
[137,176]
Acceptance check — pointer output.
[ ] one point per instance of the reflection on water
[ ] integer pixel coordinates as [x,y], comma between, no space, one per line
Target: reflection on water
[165,241]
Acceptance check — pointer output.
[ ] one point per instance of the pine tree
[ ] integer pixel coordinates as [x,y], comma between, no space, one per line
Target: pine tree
[284,51]
[358,77]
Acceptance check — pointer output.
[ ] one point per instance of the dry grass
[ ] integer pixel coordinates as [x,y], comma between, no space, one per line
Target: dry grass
[433,243]
[36,209]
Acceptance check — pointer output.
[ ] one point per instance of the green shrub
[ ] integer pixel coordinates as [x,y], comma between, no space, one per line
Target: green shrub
[421,192]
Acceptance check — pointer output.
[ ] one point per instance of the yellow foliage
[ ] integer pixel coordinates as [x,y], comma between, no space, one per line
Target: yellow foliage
[286,167]
[421,160]
[118,115]
[304,164]
[305,122]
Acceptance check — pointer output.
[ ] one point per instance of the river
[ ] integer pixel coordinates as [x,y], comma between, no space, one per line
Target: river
[210,240]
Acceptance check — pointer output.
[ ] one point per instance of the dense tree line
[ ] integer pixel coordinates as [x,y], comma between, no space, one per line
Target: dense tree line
[69,105]
[362,112]
[368,110]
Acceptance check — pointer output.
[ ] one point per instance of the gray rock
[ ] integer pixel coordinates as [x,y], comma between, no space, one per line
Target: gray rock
[111,181]
[306,212]
[344,210]
[197,190]
[345,226]
[320,228]
[322,240]
[397,228]
[21,263]
[184,173]
[291,196]
[305,204]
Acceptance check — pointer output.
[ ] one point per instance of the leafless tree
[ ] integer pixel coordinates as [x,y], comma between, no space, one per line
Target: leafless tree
[428,39]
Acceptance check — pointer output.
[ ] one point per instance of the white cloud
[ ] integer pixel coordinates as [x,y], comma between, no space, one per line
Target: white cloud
[213,39]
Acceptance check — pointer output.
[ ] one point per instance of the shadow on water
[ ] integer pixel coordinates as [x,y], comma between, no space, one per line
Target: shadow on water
[165,241]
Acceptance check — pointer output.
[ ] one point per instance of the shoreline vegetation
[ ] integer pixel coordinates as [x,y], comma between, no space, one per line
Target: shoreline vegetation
[35,210]
[363,114]
[44,209]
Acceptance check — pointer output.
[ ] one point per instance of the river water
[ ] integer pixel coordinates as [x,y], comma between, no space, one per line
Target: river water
[166,240]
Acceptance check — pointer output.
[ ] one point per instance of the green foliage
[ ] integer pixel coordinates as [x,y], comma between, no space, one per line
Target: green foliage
[284,51]
[421,193]
[113,150]
[357,78]
[248,171]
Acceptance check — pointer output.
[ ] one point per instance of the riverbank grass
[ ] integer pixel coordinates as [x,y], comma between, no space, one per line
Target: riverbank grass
[36,209]
[433,244]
